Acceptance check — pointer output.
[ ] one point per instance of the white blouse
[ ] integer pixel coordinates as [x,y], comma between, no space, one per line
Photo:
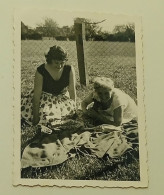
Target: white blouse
[120,98]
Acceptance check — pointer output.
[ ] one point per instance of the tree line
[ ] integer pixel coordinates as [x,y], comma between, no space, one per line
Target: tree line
[49,29]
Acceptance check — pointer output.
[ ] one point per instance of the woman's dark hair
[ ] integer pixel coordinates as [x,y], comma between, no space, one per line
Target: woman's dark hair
[56,53]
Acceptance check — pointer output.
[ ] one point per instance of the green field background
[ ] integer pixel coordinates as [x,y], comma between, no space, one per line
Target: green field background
[111,59]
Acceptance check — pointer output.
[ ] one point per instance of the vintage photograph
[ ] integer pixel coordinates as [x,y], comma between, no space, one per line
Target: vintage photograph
[79,110]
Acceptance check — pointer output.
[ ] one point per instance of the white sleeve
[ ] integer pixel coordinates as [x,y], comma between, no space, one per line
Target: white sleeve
[119,99]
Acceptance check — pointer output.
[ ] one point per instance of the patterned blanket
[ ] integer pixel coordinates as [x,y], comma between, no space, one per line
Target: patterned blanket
[54,146]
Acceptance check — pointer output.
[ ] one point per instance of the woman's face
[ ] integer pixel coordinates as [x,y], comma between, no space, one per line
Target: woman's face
[104,94]
[57,64]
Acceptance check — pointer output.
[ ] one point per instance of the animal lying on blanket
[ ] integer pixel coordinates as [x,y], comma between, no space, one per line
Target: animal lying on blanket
[54,146]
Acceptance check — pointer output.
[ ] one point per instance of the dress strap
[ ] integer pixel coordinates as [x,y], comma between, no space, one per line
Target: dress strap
[41,69]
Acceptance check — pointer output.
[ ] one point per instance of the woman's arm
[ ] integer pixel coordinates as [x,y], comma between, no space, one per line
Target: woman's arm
[88,100]
[38,82]
[118,116]
[72,88]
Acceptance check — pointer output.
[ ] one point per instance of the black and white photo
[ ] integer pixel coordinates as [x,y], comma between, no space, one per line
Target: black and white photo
[79,116]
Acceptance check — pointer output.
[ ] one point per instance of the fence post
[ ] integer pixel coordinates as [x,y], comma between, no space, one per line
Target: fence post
[80,38]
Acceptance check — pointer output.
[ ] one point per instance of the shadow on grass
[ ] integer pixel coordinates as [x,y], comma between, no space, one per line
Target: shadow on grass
[87,167]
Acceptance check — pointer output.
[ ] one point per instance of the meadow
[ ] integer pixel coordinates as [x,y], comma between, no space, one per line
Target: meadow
[112,59]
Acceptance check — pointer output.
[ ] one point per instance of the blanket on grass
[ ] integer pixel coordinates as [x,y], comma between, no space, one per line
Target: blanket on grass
[54,146]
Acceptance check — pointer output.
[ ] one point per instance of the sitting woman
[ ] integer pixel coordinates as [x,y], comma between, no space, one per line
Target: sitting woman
[109,105]
[54,94]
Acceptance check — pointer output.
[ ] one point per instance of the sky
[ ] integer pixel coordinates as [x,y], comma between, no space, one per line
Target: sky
[64,18]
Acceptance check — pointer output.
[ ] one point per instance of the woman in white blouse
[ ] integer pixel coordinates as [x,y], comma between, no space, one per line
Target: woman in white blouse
[109,105]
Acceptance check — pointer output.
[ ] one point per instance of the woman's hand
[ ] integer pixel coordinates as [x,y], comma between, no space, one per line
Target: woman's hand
[99,115]
[84,104]
[92,113]
[117,116]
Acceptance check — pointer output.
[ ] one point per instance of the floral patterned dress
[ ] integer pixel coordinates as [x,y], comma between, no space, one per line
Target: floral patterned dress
[55,102]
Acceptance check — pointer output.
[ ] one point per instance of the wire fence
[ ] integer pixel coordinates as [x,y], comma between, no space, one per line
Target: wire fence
[103,58]
[115,60]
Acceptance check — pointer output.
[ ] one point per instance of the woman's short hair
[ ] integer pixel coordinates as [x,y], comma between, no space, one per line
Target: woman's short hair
[56,53]
[103,82]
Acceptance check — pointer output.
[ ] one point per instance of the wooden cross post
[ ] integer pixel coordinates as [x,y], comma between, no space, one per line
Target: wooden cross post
[80,38]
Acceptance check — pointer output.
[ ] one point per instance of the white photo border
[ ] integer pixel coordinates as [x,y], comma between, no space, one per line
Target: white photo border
[17,180]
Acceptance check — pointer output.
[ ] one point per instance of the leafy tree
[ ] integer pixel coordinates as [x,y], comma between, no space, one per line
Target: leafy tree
[29,33]
[49,28]
[65,31]
[124,32]
[130,32]
[24,31]
[91,28]
[119,29]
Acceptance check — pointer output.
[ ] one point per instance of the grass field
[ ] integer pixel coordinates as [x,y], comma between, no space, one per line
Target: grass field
[112,59]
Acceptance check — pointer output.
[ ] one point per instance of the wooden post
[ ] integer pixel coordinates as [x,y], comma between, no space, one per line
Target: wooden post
[80,38]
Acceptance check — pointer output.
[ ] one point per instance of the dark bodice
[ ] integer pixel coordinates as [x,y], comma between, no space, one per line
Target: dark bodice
[100,105]
[52,86]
